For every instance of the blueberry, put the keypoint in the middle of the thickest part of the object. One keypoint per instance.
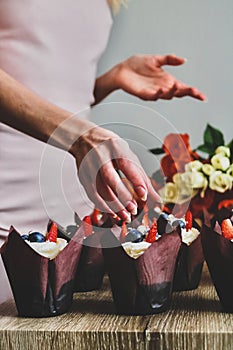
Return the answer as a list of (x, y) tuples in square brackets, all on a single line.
[(134, 236), (25, 237), (164, 215), (178, 222), (163, 224), (36, 237)]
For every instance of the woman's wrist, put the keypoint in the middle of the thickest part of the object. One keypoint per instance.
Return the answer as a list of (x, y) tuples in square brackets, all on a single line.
[(107, 83)]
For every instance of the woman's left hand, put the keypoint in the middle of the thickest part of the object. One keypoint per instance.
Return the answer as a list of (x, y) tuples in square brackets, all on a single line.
[(144, 76)]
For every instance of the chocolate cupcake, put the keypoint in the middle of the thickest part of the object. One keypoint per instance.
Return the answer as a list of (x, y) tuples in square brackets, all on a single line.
[(141, 284), (91, 269), (218, 252), (41, 286), (190, 261)]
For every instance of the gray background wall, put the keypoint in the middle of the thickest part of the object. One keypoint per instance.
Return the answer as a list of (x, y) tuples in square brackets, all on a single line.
[(199, 30)]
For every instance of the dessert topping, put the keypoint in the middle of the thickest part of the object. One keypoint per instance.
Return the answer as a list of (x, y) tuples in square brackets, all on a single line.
[(52, 234), (151, 237), (87, 225), (188, 220), (227, 229)]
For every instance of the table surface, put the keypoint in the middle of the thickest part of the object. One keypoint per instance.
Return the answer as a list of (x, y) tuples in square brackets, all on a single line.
[(195, 321)]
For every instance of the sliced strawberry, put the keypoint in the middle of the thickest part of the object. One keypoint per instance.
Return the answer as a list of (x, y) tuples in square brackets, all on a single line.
[(227, 229), (123, 232), (151, 236), (52, 234), (188, 220), (96, 216), (87, 225)]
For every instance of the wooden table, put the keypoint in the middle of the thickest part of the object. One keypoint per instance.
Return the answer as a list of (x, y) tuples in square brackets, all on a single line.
[(195, 321)]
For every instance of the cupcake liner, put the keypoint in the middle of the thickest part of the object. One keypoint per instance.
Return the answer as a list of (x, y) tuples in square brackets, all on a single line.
[(144, 285), (41, 287), (90, 271), (189, 265), (218, 252)]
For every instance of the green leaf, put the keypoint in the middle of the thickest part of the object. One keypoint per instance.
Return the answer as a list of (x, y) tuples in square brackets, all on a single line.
[(230, 145), (213, 137), (156, 150), (206, 148)]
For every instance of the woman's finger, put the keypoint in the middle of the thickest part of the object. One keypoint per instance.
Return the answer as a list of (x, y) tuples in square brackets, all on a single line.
[(171, 60)]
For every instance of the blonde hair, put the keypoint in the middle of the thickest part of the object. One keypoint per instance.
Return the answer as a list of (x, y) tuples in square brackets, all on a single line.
[(116, 4)]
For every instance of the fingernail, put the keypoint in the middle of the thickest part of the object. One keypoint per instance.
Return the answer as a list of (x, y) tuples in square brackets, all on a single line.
[(116, 217), (132, 208), (185, 59), (142, 193), (125, 215)]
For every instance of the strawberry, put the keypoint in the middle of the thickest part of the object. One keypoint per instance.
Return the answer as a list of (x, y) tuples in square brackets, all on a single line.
[(188, 220), (227, 229), (96, 216), (87, 225), (52, 234), (151, 236), (123, 231)]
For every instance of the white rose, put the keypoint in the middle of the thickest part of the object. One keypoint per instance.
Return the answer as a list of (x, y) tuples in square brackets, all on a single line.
[(220, 162), (230, 170), (169, 193), (199, 180), (185, 187), (220, 182), (225, 151), (208, 169), (194, 165)]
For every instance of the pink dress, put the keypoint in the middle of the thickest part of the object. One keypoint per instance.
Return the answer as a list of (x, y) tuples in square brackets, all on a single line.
[(53, 48)]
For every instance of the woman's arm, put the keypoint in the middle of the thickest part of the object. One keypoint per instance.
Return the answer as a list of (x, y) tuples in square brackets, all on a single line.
[(97, 151), (144, 77)]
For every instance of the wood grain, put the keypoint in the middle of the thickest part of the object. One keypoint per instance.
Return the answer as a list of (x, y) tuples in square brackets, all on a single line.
[(195, 321)]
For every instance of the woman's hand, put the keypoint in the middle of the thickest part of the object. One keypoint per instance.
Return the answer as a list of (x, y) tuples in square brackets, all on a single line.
[(143, 76), (100, 154)]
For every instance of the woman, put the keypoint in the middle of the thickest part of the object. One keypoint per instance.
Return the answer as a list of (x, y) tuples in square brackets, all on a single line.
[(48, 57)]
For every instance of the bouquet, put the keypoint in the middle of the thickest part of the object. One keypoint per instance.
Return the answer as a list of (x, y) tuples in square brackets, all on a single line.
[(200, 178)]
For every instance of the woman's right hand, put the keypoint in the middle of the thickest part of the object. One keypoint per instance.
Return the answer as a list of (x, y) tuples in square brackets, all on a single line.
[(100, 154)]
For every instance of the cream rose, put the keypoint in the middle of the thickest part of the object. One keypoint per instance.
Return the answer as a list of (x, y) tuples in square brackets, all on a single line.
[(220, 162), (183, 182), (194, 165), (220, 182), (199, 180), (230, 171), (169, 193), (208, 169), (225, 151)]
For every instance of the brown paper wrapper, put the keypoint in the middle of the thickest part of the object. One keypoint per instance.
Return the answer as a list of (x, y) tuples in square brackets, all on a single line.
[(90, 271), (218, 252), (41, 287), (189, 266), (144, 285)]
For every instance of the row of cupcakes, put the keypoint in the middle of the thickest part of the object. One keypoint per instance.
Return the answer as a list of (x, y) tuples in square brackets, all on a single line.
[(51, 266)]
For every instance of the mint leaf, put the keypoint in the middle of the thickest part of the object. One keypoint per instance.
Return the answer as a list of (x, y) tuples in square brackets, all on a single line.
[(213, 137), (156, 150)]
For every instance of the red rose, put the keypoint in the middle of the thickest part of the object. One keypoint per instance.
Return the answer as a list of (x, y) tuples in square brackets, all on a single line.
[(178, 147)]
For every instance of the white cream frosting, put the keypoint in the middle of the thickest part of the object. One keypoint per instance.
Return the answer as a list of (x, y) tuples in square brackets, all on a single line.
[(189, 236), (48, 249), (134, 250)]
